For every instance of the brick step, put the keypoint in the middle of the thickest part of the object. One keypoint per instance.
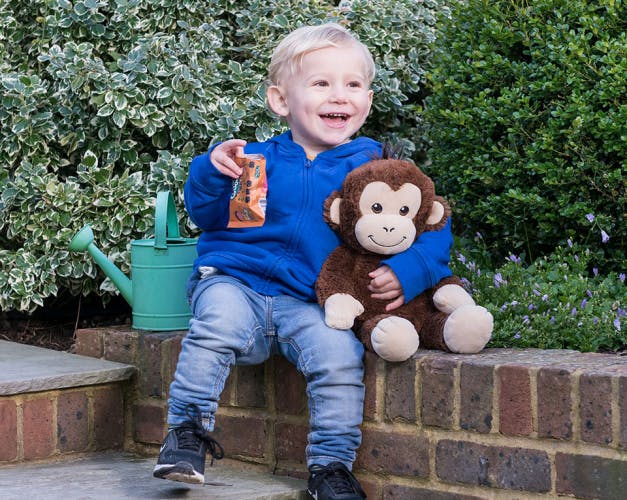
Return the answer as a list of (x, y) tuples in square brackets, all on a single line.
[(54, 403), (111, 475)]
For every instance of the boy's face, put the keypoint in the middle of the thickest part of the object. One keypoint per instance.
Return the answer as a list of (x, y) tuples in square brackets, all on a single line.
[(327, 100)]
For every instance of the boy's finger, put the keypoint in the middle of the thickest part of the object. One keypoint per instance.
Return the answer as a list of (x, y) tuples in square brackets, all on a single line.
[(380, 282), (388, 295), (235, 146), (233, 168), (228, 167), (395, 304), (377, 272), (239, 151)]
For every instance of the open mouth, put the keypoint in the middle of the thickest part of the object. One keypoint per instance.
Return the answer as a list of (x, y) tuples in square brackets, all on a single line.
[(371, 238), (341, 117)]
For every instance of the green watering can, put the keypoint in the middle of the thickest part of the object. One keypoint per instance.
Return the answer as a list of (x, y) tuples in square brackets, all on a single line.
[(160, 268)]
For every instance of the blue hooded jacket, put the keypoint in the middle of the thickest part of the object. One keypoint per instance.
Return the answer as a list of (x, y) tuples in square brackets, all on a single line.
[(285, 255)]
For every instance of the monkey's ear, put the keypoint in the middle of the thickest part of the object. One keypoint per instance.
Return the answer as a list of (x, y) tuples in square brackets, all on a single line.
[(440, 212), (332, 210)]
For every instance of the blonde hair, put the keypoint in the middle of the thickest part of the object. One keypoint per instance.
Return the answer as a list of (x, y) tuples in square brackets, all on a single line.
[(288, 55)]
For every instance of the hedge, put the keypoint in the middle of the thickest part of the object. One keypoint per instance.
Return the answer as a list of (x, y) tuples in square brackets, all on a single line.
[(104, 103), (526, 121)]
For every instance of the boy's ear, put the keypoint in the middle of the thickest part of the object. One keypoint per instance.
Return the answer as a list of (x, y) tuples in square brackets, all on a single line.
[(276, 100)]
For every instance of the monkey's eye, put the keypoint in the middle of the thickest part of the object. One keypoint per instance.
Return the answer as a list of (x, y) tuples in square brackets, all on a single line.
[(404, 210), (376, 208)]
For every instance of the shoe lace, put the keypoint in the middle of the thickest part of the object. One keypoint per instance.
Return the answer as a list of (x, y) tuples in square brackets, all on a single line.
[(340, 479), (192, 433)]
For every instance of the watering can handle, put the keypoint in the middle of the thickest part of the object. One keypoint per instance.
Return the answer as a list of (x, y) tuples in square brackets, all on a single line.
[(166, 221)]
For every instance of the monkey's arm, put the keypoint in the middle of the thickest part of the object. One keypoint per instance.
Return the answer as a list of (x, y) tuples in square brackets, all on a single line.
[(340, 311), (335, 290)]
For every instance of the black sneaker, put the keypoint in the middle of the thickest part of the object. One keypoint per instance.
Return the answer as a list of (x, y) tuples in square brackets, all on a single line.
[(182, 455), (333, 482)]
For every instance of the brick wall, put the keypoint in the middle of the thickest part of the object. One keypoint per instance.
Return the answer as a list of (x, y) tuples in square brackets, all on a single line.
[(49, 424), (501, 424)]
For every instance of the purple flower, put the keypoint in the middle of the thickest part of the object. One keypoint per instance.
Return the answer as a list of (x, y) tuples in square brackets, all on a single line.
[(621, 277), (576, 258), (595, 271), (595, 321), (515, 259), (604, 237), (617, 324), (525, 319), (590, 217), (517, 336), (545, 297), (498, 279), (461, 258), (583, 303), (531, 307), (570, 242), (573, 312), (536, 293), (589, 293)]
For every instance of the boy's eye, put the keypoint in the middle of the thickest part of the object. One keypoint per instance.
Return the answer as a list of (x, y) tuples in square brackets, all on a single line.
[(320, 83), (354, 84)]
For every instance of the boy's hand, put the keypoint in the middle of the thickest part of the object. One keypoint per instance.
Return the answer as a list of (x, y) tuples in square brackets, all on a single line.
[(384, 285), (223, 156)]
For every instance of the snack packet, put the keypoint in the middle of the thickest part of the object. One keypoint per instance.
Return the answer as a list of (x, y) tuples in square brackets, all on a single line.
[(247, 207)]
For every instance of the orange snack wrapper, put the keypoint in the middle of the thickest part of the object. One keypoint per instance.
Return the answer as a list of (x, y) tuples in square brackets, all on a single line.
[(247, 207)]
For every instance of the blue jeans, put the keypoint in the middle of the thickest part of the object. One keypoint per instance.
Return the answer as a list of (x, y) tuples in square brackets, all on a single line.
[(232, 324)]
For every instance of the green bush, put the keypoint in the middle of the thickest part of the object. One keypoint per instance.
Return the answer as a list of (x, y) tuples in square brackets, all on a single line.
[(527, 123), (105, 102), (556, 302)]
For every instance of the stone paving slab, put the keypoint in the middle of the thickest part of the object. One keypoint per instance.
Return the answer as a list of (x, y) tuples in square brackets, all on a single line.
[(25, 368), (117, 475)]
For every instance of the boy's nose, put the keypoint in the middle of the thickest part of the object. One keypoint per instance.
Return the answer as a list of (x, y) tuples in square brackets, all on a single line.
[(339, 94)]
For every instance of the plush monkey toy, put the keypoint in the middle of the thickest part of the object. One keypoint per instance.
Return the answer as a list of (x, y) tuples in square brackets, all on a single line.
[(382, 208)]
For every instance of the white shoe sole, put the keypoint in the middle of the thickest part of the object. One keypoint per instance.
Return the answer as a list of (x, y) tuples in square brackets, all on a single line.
[(182, 472)]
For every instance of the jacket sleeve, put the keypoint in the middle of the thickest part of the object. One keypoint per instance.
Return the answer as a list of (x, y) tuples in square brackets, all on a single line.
[(425, 263), (207, 194)]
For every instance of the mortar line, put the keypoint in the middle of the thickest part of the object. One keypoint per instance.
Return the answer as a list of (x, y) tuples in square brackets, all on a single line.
[(19, 413), (576, 405), (496, 395), (55, 421), (533, 390), (457, 397), (615, 412), (380, 384)]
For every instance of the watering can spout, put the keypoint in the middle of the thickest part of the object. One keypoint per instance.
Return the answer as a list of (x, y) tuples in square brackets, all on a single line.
[(84, 241)]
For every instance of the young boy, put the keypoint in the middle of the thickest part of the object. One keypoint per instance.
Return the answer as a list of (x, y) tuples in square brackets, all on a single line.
[(252, 291)]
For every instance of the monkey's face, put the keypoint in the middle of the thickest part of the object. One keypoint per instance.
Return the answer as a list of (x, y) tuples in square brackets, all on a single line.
[(384, 206), (386, 224)]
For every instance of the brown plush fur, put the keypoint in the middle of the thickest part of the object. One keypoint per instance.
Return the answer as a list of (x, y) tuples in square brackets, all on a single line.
[(346, 269)]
